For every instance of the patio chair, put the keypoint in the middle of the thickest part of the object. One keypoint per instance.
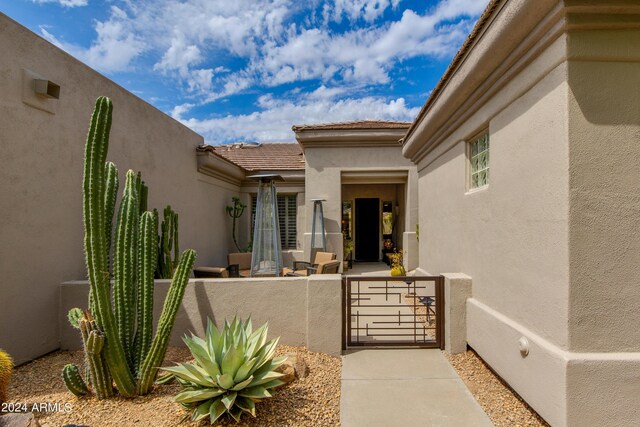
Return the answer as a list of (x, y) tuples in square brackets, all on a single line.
[(300, 267), (239, 264), (210, 272), (327, 267)]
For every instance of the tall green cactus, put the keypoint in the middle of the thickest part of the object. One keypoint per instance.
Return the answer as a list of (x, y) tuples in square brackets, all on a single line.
[(113, 352), (124, 264), (95, 242), (147, 255), (168, 243), (160, 342)]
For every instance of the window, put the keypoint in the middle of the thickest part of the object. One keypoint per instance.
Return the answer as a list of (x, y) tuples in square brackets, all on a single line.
[(479, 156), (287, 216)]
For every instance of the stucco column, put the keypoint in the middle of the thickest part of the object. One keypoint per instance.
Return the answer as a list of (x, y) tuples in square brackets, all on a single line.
[(410, 237), (324, 184), (457, 288)]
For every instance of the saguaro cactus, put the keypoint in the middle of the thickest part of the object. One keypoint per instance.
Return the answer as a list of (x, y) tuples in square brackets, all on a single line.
[(235, 211), (113, 353)]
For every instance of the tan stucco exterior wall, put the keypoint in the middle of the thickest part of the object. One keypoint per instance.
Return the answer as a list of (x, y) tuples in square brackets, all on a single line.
[(42, 153), (604, 180), (301, 311), (323, 180), (552, 243)]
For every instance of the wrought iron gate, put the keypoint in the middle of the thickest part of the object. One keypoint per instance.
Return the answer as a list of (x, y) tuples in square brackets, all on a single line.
[(393, 311)]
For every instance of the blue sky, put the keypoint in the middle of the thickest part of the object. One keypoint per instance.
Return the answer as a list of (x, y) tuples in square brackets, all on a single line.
[(247, 70)]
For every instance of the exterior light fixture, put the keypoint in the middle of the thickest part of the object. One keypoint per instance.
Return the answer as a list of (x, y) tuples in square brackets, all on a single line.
[(266, 255), (318, 238)]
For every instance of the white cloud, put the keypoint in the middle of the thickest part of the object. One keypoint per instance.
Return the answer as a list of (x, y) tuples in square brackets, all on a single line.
[(364, 55), (369, 10), (276, 116), (66, 3), (114, 48)]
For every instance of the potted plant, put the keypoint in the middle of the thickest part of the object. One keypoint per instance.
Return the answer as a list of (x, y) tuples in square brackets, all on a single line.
[(397, 267), (347, 248)]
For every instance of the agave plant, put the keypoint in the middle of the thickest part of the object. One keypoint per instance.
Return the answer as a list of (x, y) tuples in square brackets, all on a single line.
[(233, 369)]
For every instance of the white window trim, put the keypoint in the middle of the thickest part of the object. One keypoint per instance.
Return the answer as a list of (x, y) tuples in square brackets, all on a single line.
[(468, 167)]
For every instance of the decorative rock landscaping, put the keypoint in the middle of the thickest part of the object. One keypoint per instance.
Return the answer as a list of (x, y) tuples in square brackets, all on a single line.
[(310, 400)]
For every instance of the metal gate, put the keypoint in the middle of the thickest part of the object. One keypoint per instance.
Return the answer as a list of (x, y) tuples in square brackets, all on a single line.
[(393, 311)]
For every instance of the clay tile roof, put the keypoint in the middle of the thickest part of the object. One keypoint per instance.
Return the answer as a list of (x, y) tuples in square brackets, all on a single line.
[(456, 61), (254, 156), (360, 125)]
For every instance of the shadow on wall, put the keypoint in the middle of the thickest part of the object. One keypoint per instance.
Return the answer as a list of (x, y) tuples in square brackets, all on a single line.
[(601, 88), (204, 306)]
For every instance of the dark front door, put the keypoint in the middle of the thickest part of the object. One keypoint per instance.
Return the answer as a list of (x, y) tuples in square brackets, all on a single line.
[(367, 229)]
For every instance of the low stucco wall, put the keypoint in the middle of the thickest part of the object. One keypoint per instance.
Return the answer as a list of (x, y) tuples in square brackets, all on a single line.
[(41, 237), (302, 311)]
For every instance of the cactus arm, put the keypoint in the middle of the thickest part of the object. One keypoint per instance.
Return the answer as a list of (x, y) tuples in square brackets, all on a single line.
[(144, 196), (95, 240), (110, 195), (93, 340), (74, 381), (176, 245), (124, 265), (165, 324), (147, 256)]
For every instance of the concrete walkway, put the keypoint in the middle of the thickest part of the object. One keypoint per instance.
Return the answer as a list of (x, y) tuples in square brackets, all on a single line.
[(405, 388)]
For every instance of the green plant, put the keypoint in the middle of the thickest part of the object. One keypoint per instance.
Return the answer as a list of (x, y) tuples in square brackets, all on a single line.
[(235, 211), (418, 232), (6, 370), (168, 243), (347, 247), (233, 369), (113, 352)]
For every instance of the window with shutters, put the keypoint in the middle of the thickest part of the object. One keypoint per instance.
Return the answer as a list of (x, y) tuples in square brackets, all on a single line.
[(287, 216)]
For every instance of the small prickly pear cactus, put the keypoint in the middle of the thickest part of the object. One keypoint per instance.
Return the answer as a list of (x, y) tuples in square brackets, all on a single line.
[(6, 370)]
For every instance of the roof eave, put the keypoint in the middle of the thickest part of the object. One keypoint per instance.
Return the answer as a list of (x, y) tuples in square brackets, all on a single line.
[(507, 26), (350, 137)]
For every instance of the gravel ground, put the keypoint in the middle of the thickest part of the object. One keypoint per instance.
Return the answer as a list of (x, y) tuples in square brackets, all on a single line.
[(502, 405), (311, 401)]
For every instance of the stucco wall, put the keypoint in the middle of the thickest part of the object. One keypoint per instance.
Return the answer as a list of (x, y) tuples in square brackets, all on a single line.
[(552, 243), (41, 239), (323, 176), (301, 311), (604, 146)]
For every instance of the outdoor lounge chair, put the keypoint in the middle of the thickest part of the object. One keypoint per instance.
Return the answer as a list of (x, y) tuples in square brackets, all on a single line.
[(300, 267), (239, 264), (210, 272), (327, 267)]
